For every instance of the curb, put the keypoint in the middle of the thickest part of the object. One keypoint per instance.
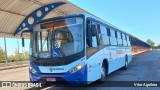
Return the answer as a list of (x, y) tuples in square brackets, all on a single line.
[(13, 67)]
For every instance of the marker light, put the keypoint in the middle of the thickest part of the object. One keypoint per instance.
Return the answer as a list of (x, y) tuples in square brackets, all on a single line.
[(78, 67)]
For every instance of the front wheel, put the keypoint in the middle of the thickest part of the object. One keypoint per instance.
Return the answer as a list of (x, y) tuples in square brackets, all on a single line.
[(103, 73)]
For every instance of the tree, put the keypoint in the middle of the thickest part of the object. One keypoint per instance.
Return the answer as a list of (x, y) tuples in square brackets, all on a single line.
[(2, 55), (18, 56), (155, 47), (158, 46), (150, 42), (11, 57), (26, 55)]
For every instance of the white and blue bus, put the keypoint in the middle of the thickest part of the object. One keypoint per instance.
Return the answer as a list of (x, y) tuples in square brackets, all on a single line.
[(77, 48)]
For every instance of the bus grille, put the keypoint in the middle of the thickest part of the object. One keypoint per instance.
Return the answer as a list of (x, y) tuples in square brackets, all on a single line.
[(52, 63)]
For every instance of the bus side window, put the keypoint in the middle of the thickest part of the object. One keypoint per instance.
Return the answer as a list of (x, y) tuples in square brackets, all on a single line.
[(104, 38), (108, 33), (95, 38), (113, 39), (119, 38), (124, 40), (89, 35), (128, 41)]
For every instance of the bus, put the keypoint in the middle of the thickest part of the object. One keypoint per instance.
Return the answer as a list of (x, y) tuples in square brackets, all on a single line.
[(77, 49)]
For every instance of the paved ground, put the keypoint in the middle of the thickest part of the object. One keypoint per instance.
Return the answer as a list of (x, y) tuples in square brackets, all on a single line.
[(144, 67), (18, 74)]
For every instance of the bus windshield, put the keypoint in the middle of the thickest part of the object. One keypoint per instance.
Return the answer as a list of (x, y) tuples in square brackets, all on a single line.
[(58, 38)]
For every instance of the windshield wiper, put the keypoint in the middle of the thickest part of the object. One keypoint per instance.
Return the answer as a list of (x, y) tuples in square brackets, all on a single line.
[(33, 57)]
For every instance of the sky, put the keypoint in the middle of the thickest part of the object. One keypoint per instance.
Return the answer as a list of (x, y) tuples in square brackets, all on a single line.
[(12, 44), (140, 18)]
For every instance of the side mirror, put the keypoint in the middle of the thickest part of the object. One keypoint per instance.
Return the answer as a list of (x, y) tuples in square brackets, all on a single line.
[(93, 30), (25, 31), (23, 42)]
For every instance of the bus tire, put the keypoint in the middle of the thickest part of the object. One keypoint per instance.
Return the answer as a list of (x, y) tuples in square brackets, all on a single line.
[(126, 63), (103, 73)]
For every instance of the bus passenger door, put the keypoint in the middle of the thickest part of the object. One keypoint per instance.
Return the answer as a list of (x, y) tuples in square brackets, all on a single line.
[(92, 43), (92, 38)]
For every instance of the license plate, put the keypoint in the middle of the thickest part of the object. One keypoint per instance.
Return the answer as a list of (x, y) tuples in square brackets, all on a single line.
[(50, 79)]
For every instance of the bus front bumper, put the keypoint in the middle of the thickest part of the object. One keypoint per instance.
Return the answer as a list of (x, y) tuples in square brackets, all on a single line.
[(77, 78)]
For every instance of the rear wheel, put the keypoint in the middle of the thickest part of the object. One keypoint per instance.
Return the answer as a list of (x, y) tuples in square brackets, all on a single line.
[(126, 64)]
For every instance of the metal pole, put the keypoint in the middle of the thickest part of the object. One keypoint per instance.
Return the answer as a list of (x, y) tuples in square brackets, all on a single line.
[(5, 50), (18, 48), (24, 49), (18, 45), (23, 53)]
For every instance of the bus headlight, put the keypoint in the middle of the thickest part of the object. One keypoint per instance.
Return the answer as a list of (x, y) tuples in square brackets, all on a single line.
[(32, 69), (78, 67)]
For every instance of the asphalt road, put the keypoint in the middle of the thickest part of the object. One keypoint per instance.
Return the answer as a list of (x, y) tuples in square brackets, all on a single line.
[(144, 67)]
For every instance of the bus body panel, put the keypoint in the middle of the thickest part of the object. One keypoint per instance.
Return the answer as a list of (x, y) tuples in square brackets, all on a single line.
[(94, 64), (115, 61), (119, 57)]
